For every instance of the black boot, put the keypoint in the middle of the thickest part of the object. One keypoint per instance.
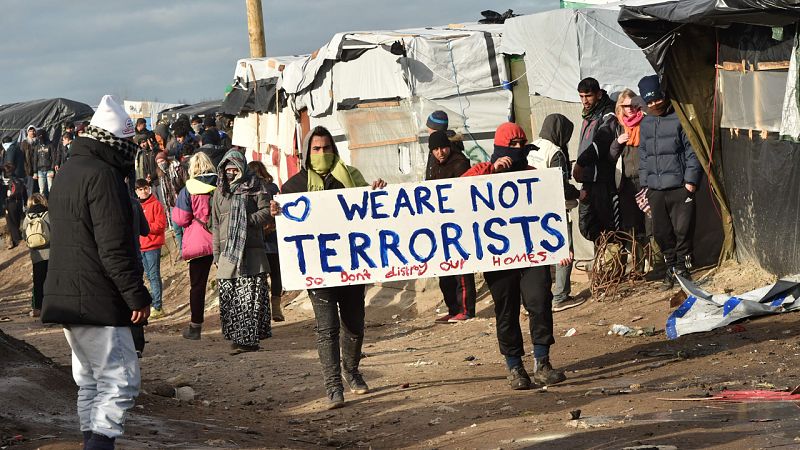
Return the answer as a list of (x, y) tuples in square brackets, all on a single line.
[(683, 266), (669, 280), (545, 375), (518, 378)]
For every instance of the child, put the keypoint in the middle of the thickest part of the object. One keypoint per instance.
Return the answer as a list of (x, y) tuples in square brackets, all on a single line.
[(36, 232), (152, 243), (15, 198)]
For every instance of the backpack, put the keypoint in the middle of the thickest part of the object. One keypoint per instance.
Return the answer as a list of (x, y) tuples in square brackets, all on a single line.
[(37, 231)]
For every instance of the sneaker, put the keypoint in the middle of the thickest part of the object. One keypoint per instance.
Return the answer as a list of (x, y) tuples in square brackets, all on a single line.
[(669, 280), (444, 319), (458, 318), (518, 379), (545, 374), (356, 383), (335, 399), (567, 303), (157, 313), (192, 333)]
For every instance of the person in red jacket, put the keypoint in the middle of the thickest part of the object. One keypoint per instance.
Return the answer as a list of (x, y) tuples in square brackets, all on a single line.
[(529, 286), (152, 243)]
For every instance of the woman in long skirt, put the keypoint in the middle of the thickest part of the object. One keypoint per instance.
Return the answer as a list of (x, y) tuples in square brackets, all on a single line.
[(239, 212)]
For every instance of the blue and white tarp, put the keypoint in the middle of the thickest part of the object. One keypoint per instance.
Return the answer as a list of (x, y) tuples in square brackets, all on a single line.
[(704, 312)]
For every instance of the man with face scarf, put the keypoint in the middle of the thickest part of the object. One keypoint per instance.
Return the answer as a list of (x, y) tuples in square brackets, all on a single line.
[(239, 211), (553, 151), (529, 286), (94, 285), (323, 169)]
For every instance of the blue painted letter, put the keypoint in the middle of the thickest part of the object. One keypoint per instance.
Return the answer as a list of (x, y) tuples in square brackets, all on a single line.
[(553, 232), (325, 252), (359, 249), (298, 242)]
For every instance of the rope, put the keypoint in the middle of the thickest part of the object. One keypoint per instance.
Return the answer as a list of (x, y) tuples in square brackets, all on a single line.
[(637, 49)]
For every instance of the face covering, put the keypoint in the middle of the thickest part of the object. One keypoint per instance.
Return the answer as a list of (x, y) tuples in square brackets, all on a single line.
[(231, 176), (197, 128), (322, 163), (519, 156)]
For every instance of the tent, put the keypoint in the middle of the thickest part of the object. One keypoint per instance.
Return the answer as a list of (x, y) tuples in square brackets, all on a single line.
[(374, 91), (728, 67), (560, 48), (49, 114), (201, 109), (147, 110)]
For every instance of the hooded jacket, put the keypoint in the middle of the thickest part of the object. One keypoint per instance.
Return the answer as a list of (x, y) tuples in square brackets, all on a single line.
[(299, 182), (192, 212), (92, 278), (666, 157), (553, 151), (255, 254), (157, 221), (214, 152)]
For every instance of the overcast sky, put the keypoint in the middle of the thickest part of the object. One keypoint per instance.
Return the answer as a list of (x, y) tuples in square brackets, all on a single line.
[(184, 51)]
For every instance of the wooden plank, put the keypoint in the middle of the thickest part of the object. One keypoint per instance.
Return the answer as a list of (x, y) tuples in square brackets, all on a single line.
[(377, 104), (773, 65), (382, 143), (744, 66)]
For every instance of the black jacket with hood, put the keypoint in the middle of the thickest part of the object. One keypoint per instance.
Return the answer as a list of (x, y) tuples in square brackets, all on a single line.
[(93, 278), (597, 134), (666, 157)]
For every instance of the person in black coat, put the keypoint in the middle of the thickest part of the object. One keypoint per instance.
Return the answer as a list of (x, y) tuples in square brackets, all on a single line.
[(447, 161), (94, 286)]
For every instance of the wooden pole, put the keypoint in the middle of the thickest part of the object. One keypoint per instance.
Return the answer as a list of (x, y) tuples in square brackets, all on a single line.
[(255, 29)]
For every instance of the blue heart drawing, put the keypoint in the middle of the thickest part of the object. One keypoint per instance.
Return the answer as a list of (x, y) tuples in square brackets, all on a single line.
[(306, 209)]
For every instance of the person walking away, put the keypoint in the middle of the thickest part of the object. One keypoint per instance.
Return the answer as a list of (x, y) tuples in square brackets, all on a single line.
[(43, 164), (553, 151), (530, 286), (92, 241), (324, 170), (150, 245), (459, 293), (239, 211), (15, 199), (36, 232), (594, 168), (625, 150), (192, 212), (271, 245), (670, 171)]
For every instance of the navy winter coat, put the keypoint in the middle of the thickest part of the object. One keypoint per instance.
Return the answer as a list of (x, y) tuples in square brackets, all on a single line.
[(666, 158)]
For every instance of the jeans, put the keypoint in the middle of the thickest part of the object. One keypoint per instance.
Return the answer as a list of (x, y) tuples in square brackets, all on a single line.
[(329, 305), (179, 236), (106, 370), (562, 287), (151, 260), (30, 186), (45, 181), (531, 287)]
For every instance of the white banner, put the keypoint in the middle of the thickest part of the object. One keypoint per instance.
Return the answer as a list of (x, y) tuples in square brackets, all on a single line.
[(420, 230)]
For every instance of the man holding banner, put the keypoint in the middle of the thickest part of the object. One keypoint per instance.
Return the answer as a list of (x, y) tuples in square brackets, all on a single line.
[(530, 285), (324, 170)]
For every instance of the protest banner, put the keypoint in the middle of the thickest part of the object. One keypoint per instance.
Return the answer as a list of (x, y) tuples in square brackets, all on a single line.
[(420, 230)]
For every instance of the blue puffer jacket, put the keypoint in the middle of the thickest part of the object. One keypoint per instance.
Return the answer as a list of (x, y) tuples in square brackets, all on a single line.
[(666, 157)]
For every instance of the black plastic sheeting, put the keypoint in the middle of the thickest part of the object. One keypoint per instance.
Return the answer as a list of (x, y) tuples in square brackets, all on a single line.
[(762, 180), (755, 44), (708, 236), (49, 114), (254, 97), (202, 109)]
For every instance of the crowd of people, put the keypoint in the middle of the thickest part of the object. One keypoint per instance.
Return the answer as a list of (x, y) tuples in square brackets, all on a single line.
[(94, 212)]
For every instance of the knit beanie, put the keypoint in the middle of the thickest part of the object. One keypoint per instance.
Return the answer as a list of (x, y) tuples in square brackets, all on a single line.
[(650, 88), (437, 121), (438, 139), (507, 132), (111, 117)]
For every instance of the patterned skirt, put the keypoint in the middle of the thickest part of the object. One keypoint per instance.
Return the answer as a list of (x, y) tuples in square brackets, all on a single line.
[(244, 309)]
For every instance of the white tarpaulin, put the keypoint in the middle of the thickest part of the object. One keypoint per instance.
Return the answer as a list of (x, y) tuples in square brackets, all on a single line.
[(704, 312), (563, 46), (419, 230)]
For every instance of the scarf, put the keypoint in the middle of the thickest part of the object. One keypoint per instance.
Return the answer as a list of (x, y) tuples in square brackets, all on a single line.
[(339, 171), (241, 188), (631, 126), (519, 156), (124, 146)]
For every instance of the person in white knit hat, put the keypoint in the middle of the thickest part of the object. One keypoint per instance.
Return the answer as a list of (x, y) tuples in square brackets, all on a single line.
[(93, 286)]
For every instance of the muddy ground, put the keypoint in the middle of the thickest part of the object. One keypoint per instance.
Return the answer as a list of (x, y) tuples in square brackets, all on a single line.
[(433, 386)]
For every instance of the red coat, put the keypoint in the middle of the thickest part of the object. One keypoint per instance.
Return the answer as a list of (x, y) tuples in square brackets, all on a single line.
[(157, 220), (484, 168)]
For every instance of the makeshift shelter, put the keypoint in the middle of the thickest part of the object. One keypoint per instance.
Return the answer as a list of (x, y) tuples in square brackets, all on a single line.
[(727, 68), (148, 110), (49, 114), (202, 109), (374, 91)]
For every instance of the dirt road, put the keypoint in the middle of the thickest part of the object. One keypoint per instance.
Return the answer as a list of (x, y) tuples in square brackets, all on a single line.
[(433, 386)]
